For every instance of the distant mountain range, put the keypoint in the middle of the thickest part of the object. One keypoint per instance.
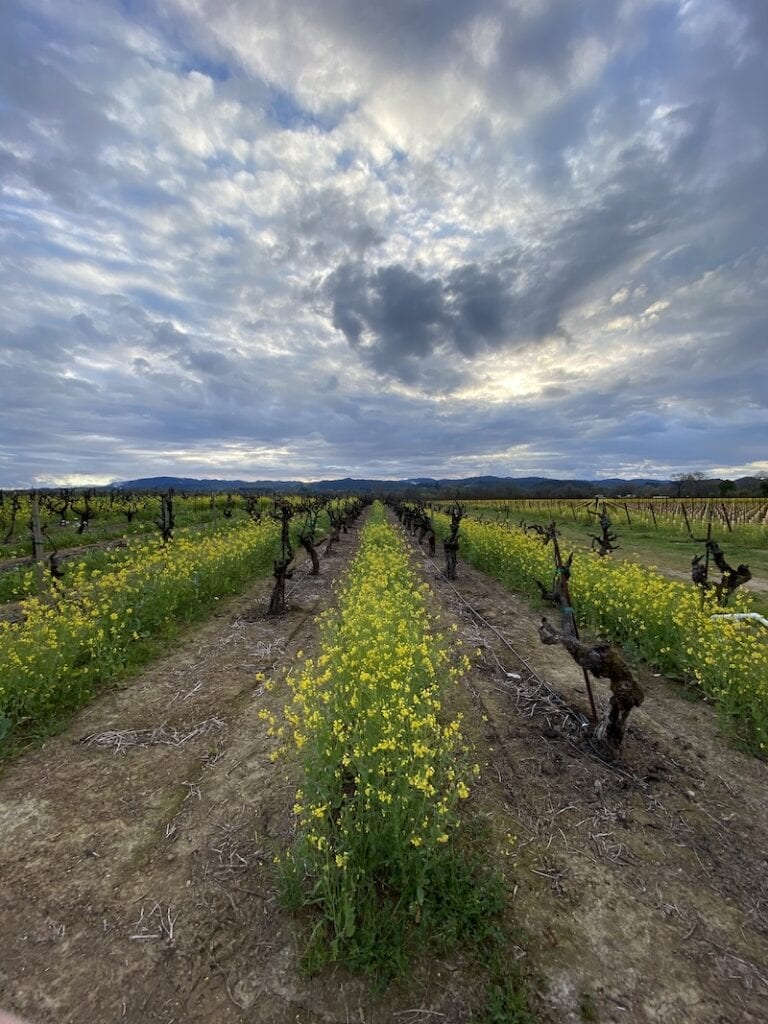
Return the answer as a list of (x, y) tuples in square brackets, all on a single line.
[(353, 485), (480, 486)]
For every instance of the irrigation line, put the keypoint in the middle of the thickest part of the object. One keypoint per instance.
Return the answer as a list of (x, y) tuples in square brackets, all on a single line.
[(741, 617), (299, 575)]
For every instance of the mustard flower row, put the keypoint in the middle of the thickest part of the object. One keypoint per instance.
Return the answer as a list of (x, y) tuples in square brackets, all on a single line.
[(69, 640), (384, 774), (663, 621)]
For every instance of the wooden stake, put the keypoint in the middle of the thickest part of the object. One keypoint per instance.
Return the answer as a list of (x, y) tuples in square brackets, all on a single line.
[(38, 545), (569, 618)]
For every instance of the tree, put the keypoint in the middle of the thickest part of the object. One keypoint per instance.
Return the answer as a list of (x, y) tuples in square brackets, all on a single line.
[(689, 485)]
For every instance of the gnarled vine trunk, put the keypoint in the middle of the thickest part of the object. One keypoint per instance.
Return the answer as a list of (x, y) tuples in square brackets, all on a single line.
[(606, 662)]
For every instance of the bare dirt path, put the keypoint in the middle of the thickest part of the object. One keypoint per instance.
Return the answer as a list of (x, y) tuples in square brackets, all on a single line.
[(643, 888)]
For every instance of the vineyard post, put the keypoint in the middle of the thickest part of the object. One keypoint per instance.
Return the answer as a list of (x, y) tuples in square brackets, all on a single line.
[(687, 521), (167, 520), (284, 514), (85, 513), (451, 543), (706, 558), (566, 609), (334, 518), (311, 510), (38, 545)]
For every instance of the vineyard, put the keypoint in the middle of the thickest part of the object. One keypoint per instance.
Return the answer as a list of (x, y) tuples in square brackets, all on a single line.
[(661, 532), (72, 623), (272, 758), (684, 631)]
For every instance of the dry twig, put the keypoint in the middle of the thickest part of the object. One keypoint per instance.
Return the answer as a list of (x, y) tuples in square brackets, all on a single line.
[(122, 739)]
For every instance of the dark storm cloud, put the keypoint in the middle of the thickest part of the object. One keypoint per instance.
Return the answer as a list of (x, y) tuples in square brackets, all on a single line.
[(395, 317), (405, 313)]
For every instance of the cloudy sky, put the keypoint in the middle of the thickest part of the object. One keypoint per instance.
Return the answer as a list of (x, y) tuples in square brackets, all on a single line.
[(320, 238)]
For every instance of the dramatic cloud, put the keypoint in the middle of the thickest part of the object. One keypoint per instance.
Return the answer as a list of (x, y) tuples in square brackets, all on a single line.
[(353, 237)]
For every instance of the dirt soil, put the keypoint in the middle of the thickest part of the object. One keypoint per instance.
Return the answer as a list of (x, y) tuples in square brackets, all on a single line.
[(136, 877), (643, 885)]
